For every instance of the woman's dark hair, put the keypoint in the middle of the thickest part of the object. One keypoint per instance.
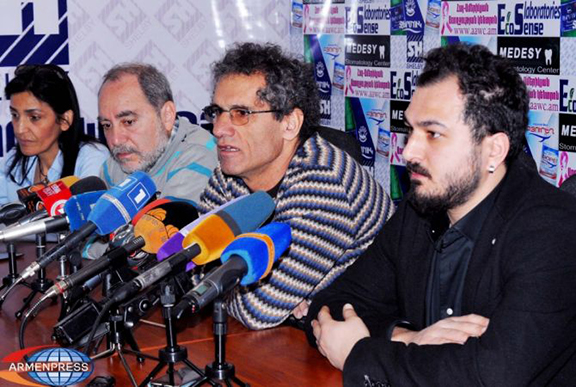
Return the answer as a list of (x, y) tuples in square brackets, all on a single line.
[(50, 84)]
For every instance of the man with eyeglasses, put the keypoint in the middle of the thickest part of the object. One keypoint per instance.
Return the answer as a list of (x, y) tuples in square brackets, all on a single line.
[(137, 113), (265, 111)]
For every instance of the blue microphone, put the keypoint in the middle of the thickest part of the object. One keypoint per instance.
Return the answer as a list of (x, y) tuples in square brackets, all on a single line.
[(79, 207), (247, 260), (113, 209)]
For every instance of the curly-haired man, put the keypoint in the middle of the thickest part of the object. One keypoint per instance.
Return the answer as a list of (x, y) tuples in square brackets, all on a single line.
[(265, 110)]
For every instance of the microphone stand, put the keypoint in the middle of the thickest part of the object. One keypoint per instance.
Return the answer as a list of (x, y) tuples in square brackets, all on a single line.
[(173, 353), (74, 264), (118, 334), (11, 253), (116, 338), (41, 284), (220, 369)]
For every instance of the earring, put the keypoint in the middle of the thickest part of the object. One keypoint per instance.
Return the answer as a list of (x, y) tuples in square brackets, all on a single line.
[(491, 169)]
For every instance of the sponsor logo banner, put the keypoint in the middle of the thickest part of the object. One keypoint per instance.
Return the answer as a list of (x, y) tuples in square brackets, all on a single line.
[(322, 19), (543, 92), (529, 18), (469, 18), (414, 51), (542, 140), (34, 32), (485, 40), (567, 135), (367, 82), (567, 94), (369, 51), (326, 53), (566, 166), (568, 19), (368, 18), (531, 55), (397, 109), (403, 83), (406, 17)]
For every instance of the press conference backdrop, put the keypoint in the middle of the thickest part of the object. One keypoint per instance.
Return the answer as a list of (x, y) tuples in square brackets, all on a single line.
[(180, 37), (367, 56)]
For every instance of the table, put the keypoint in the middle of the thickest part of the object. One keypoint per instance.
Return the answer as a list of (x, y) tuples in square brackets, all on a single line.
[(274, 357)]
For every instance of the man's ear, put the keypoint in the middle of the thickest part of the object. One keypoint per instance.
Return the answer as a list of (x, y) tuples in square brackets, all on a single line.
[(498, 148), (65, 120), (293, 122), (168, 115)]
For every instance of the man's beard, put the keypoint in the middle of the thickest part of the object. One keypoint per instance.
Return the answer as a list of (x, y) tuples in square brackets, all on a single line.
[(147, 159), (456, 192)]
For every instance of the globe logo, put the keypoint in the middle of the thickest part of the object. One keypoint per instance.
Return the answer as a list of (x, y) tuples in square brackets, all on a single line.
[(59, 366)]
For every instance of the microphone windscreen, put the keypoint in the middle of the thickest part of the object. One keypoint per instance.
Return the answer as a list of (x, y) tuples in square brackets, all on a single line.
[(260, 250), (247, 214), (12, 212), (148, 207), (122, 202), (212, 235), (25, 193), (69, 181), (218, 230), (88, 184), (79, 207), (160, 223), (174, 244), (54, 196)]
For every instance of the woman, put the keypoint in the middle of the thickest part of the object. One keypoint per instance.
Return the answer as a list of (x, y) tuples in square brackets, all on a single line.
[(48, 128)]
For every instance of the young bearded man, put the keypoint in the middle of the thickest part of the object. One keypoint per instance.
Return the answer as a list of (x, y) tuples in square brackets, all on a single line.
[(472, 280)]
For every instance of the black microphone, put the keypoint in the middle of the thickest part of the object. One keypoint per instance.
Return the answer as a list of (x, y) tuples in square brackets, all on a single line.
[(112, 260), (11, 212)]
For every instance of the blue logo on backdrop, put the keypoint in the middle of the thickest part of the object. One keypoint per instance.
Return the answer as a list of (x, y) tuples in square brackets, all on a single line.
[(31, 32), (34, 32)]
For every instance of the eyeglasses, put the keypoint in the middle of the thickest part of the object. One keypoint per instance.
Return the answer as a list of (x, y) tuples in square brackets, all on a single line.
[(238, 116)]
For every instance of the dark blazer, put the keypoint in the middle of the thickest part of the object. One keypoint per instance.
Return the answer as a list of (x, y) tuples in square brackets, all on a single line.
[(522, 276)]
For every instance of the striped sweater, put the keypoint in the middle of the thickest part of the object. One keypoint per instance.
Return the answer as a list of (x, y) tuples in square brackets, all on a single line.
[(334, 208)]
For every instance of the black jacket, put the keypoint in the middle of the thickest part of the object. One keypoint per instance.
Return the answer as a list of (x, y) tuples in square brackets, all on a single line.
[(522, 276)]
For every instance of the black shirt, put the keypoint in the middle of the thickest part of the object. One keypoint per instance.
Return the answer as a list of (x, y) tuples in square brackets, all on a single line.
[(453, 248)]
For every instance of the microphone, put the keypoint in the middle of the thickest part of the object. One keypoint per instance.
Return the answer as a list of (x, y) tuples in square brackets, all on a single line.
[(112, 260), (161, 222), (206, 241), (174, 244), (30, 197), (242, 216), (114, 208), (247, 260), (53, 197), (156, 221), (77, 209), (11, 212), (88, 184)]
